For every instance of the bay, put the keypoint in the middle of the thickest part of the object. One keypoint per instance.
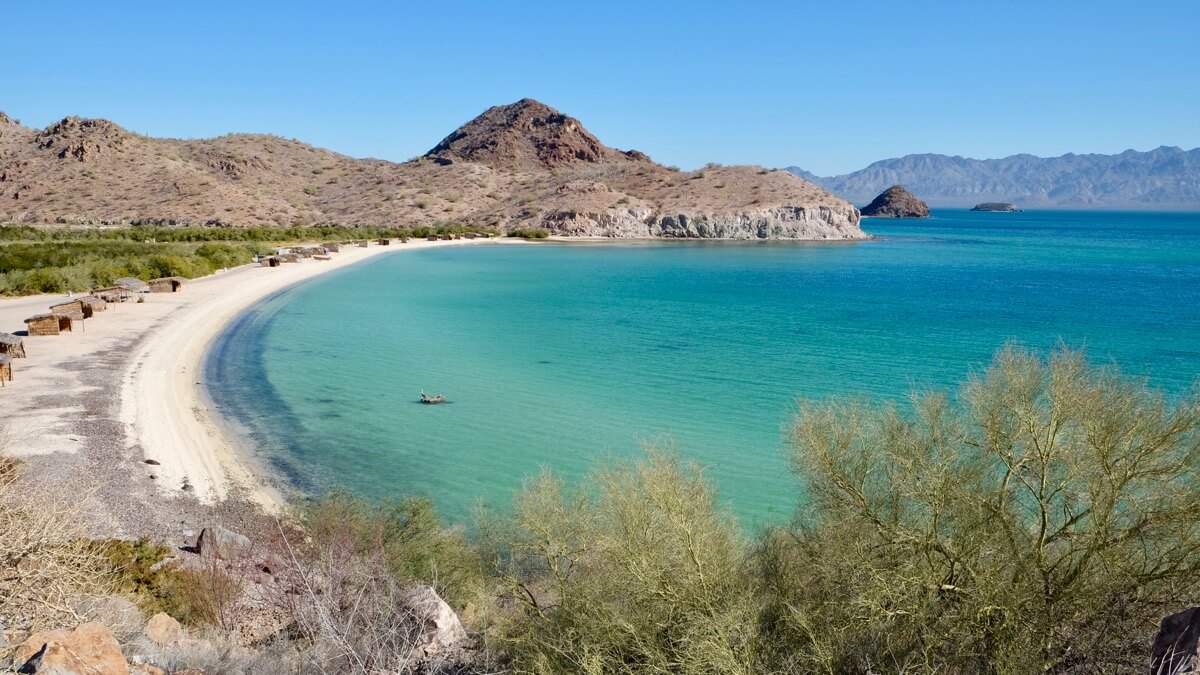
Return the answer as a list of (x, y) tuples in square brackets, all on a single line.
[(563, 355)]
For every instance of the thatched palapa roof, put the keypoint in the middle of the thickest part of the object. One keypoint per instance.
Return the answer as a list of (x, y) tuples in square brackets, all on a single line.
[(131, 284)]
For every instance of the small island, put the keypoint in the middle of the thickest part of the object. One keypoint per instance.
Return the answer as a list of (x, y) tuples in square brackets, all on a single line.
[(1002, 207), (896, 202)]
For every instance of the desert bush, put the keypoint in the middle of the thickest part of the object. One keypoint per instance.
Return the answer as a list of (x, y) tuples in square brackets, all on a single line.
[(406, 538), (1043, 524), (46, 566), (352, 578), (637, 570)]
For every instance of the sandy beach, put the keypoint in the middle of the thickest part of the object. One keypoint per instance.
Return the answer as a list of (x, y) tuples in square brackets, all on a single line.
[(114, 411)]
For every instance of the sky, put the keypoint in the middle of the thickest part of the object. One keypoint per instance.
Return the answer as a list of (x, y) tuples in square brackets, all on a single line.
[(829, 86)]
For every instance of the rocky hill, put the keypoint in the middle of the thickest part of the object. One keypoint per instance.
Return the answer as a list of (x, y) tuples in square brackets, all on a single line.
[(518, 165), (1164, 178), (896, 202)]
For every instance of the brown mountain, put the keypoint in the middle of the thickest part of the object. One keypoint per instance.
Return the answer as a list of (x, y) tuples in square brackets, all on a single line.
[(896, 202), (518, 165), (526, 136)]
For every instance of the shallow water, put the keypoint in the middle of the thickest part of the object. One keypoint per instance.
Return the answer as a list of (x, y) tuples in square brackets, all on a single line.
[(559, 354)]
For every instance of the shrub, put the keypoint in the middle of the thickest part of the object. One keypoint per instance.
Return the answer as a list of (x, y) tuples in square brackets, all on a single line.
[(405, 537), (643, 573), (1044, 524), (43, 281), (529, 233), (46, 564)]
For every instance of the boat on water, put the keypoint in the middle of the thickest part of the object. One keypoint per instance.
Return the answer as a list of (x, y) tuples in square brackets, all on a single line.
[(436, 398)]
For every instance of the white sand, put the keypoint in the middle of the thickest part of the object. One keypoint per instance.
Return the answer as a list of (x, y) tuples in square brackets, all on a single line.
[(161, 406)]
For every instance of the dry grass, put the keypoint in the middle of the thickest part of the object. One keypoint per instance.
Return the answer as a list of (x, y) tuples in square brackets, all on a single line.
[(46, 565)]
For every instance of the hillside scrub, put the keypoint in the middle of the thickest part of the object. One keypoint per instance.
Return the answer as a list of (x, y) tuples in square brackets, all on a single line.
[(1044, 524)]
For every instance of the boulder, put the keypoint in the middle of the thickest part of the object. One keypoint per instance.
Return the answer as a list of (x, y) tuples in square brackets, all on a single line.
[(222, 543), (437, 628), (90, 649), (161, 629), (1175, 646), (896, 202), (146, 669)]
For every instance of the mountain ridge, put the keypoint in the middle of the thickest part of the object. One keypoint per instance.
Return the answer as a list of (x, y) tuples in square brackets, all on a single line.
[(519, 165), (1166, 177)]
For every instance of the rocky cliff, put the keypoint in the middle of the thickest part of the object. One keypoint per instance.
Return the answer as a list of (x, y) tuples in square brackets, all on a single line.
[(896, 202), (519, 165)]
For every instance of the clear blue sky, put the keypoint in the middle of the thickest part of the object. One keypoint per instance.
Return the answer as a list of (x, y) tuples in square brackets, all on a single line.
[(827, 85)]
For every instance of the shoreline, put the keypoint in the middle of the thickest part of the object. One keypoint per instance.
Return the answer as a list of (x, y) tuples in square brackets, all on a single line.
[(117, 410)]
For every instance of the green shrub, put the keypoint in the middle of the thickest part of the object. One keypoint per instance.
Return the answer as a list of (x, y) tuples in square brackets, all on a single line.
[(43, 281), (636, 571), (1044, 524), (406, 537), (529, 233)]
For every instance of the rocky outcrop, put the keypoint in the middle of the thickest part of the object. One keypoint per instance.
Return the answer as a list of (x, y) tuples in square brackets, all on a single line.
[(896, 202), (782, 222), (90, 649), (218, 542), (437, 630), (1001, 207), (526, 135), (1177, 644)]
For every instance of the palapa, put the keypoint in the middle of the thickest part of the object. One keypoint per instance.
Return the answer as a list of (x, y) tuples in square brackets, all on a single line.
[(51, 324), (12, 346), (167, 284)]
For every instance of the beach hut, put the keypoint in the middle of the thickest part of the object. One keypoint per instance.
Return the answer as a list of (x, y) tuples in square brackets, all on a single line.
[(331, 247), (270, 261), (74, 305), (50, 324), (92, 304), (12, 346), (132, 285), (432, 237), (110, 294), (5, 369), (385, 242), (364, 243), (470, 235), (84, 305), (167, 285)]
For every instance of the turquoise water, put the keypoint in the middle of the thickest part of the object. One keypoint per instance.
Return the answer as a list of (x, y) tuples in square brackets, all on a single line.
[(561, 355)]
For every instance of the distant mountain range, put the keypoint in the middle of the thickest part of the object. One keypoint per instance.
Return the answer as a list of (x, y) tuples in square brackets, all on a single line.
[(1164, 178)]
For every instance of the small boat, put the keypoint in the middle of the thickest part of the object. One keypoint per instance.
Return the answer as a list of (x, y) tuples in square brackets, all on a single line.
[(431, 400)]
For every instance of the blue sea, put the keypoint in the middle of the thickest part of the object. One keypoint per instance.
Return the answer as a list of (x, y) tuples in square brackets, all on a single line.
[(565, 355)]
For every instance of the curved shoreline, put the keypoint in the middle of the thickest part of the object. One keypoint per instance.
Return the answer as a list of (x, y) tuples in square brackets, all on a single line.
[(115, 412), (164, 403)]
